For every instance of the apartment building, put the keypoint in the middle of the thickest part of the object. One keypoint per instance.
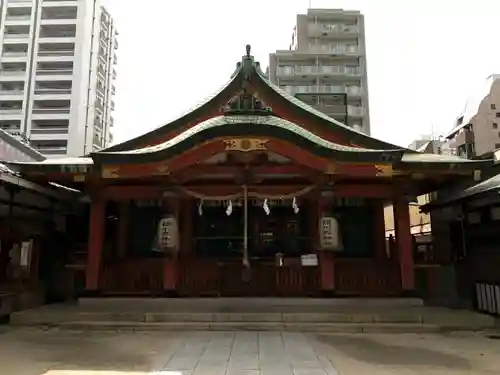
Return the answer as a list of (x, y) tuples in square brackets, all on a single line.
[(57, 73), (325, 65), (477, 130)]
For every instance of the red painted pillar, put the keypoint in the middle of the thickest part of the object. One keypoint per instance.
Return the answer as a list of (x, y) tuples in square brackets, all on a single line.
[(379, 230), (404, 244), (95, 244)]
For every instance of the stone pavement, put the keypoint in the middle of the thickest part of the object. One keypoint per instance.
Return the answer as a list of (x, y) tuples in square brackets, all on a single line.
[(30, 351)]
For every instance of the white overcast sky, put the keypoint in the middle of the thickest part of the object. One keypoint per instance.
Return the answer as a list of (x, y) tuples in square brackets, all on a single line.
[(425, 57)]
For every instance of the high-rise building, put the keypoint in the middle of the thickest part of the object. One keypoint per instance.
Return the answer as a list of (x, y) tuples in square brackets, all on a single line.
[(477, 129), (325, 65), (57, 73)]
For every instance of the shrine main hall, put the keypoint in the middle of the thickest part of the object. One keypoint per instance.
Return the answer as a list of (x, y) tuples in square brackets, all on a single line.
[(252, 193)]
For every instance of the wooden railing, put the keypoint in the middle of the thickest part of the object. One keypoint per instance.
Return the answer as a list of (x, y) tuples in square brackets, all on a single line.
[(367, 277), (135, 276), (207, 277), (198, 277)]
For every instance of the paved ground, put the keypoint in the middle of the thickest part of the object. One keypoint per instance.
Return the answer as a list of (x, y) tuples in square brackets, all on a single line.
[(27, 351)]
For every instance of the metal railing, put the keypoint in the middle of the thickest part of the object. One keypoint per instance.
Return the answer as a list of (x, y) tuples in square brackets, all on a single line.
[(488, 297), (54, 71), (16, 36), (56, 53), (10, 111), (304, 70), (323, 89), (333, 28), (18, 18), (334, 49), (51, 110), (11, 92), (14, 54), (52, 91), (57, 130)]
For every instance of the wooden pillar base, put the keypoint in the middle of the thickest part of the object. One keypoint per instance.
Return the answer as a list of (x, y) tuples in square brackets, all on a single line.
[(170, 274), (404, 244), (327, 271)]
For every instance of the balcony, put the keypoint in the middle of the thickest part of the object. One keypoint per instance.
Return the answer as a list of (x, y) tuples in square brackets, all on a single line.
[(48, 109), (354, 111), (54, 70), (323, 89), (18, 34), (59, 3), (61, 15), (15, 94), (51, 110), (11, 113), (60, 51), (331, 110), (324, 70), (41, 129), (17, 20), (333, 30), (54, 74), (52, 94), (334, 49), (57, 33), (12, 75)]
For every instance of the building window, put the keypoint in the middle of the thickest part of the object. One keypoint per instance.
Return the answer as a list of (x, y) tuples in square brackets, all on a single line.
[(497, 146), (495, 125), (493, 106), (498, 114)]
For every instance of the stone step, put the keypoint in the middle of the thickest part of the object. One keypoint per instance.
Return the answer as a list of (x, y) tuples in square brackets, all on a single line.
[(244, 303), (437, 317), (249, 326)]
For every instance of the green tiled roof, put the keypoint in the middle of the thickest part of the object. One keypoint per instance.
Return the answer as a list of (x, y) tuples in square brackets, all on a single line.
[(265, 126)]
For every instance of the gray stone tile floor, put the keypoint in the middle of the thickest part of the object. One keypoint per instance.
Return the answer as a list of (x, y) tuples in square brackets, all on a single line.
[(32, 351)]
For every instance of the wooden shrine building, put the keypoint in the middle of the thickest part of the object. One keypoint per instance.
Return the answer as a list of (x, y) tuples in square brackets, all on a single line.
[(251, 193)]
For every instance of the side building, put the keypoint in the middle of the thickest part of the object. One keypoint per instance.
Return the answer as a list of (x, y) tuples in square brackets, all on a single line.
[(325, 65), (57, 73), (477, 129)]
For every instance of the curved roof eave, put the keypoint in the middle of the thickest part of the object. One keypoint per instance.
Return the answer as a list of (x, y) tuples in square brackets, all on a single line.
[(330, 122), (180, 121), (264, 126)]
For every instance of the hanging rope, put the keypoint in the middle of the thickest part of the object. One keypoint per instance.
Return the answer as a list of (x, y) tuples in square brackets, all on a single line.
[(251, 194)]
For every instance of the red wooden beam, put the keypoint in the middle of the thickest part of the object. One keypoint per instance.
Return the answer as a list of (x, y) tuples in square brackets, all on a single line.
[(200, 170), (364, 190), (297, 154), (118, 193)]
